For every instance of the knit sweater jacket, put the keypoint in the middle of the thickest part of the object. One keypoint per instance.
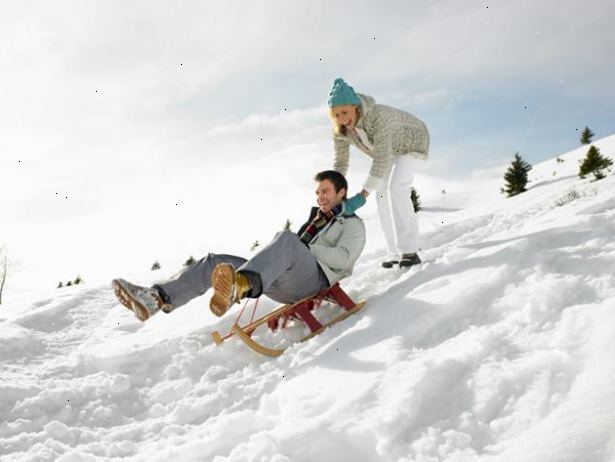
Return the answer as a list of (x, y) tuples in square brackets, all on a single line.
[(391, 132)]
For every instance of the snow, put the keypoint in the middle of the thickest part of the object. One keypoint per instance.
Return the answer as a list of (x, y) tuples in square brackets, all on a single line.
[(498, 348)]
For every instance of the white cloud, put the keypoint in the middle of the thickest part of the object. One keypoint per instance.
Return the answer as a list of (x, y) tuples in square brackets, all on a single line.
[(144, 92)]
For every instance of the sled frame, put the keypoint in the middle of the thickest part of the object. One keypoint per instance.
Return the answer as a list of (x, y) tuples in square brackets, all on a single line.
[(301, 311)]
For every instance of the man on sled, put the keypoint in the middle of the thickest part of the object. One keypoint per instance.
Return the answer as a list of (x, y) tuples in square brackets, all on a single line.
[(290, 268)]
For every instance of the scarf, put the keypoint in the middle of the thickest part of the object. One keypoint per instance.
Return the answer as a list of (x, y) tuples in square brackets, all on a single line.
[(362, 136), (319, 222)]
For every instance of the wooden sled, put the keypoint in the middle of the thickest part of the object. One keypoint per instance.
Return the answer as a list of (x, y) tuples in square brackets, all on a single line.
[(300, 310)]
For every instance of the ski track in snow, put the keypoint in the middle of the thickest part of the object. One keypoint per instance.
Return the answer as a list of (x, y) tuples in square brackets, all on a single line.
[(498, 348)]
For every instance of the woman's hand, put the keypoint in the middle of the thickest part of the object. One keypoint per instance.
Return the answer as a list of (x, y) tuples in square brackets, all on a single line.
[(354, 203)]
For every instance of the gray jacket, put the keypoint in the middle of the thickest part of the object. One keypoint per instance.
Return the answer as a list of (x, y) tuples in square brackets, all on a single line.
[(338, 245), (391, 132)]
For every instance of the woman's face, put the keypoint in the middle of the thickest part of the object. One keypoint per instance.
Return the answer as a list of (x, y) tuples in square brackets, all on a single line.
[(345, 116)]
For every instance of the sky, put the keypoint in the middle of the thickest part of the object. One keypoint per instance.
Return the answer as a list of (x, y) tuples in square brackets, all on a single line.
[(113, 106)]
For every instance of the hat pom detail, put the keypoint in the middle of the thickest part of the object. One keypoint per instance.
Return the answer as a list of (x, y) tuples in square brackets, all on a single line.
[(342, 94)]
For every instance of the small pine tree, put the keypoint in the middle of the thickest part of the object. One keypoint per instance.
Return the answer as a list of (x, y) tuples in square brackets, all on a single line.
[(586, 136), (416, 200), (5, 266), (78, 280), (516, 176), (156, 265), (254, 246), (559, 160), (60, 285), (190, 261), (69, 283), (594, 163), (287, 225)]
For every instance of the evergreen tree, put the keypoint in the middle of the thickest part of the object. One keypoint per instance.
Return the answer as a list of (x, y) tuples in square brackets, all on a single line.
[(190, 261), (60, 285), (254, 246), (416, 200), (586, 136), (78, 280), (287, 225), (5, 266), (69, 283), (156, 265), (595, 163), (559, 160), (516, 176)]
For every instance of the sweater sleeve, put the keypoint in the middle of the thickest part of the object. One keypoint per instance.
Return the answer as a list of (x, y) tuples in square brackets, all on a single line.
[(342, 154), (382, 154)]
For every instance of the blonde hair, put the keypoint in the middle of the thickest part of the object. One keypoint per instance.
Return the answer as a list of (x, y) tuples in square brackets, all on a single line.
[(337, 130)]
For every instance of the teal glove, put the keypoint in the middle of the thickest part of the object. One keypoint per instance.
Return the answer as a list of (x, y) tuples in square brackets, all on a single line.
[(354, 203)]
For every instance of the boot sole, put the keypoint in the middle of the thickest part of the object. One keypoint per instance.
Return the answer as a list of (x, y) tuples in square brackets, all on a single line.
[(404, 265), (128, 300), (222, 281)]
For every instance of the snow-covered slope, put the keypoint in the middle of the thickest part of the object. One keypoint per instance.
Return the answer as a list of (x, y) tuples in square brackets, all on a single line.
[(499, 347)]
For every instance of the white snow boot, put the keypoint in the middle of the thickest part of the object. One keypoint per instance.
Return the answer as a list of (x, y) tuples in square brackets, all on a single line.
[(143, 301)]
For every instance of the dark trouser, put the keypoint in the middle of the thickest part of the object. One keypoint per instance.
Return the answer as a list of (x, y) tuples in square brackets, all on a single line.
[(287, 270)]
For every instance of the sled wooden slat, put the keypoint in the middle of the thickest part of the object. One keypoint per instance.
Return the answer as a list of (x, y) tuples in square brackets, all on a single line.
[(300, 311), (255, 345), (249, 328), (335, 320), (259, 348)]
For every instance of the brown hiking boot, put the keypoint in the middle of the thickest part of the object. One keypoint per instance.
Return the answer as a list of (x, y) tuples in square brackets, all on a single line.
[(229, 287), (144, 302)]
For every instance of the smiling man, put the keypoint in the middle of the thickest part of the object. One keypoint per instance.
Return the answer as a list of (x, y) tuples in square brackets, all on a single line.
[(291, 267)]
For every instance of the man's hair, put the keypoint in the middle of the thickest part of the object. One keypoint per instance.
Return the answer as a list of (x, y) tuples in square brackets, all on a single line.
[(338, 180)]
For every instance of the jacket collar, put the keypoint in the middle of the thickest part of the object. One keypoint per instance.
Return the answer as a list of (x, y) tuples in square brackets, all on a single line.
[(366, 103)]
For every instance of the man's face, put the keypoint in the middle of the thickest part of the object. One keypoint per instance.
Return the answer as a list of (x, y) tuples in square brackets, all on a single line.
[(326, 197)]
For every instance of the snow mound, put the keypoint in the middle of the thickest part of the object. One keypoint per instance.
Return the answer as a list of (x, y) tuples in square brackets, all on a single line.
[(499, 347)]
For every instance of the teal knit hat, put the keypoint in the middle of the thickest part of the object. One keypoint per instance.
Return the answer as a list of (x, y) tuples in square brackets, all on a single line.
[(342, 94)]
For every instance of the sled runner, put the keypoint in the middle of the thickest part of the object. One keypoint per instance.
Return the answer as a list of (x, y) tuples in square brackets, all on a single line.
[(300, 311)]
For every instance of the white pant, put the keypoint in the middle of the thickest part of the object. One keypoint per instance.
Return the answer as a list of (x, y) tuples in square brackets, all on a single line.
[(397, 217)]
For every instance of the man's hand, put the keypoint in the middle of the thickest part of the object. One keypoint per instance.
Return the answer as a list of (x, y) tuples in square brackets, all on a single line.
[(354, 203)]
